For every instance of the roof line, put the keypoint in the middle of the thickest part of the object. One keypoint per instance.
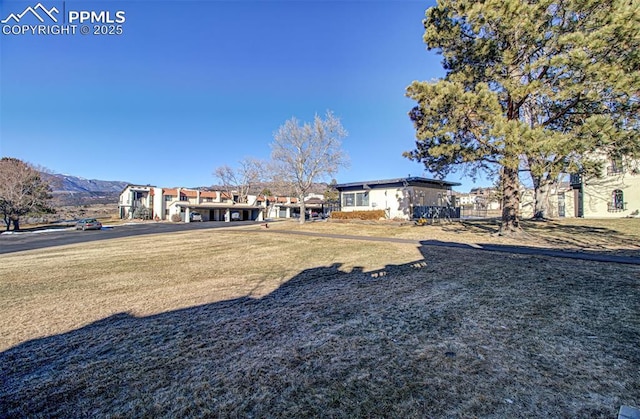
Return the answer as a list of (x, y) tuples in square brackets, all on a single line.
[(410, 179)]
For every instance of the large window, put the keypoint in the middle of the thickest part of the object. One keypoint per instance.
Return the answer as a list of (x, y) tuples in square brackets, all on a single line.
[(355, 199)]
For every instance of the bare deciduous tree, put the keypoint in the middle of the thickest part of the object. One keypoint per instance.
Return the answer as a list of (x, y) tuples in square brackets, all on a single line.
[(22, 191), (304, 154), (242, 180)]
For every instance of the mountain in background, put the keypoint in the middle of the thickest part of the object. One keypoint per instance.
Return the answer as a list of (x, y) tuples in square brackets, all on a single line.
[(67, 183), (74, 190)]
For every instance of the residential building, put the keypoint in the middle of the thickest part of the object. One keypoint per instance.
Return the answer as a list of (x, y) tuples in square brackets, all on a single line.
[(135, 198), (177, 204), (479, 202), (397, 197), (615, 193)]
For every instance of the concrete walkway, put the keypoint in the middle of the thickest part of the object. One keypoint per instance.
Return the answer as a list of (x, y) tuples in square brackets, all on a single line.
[(523, 250)]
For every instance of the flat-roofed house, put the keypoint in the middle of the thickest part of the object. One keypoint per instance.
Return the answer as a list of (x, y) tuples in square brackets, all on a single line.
[(397, 197)]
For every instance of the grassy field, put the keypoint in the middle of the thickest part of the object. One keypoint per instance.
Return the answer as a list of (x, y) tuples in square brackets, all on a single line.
[(621, 235), (243, 323)]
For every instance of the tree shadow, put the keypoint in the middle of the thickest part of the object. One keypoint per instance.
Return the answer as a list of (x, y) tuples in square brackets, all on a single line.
[(559, 235), (99, 368), (588, 237), (325, 343)]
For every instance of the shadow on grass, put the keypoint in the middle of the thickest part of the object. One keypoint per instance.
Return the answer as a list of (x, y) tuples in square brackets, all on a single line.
[(631, 257), (560, 234), (583, 236), (452, 334)]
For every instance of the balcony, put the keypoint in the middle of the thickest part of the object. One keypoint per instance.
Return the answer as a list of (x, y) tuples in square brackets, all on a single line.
[(616, 206)]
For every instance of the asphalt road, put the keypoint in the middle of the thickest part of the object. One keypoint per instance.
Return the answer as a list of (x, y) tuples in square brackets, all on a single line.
[(20, 241)]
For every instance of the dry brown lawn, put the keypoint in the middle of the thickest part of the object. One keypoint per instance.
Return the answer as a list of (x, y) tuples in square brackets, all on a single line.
[(236, 323), (621, 235)]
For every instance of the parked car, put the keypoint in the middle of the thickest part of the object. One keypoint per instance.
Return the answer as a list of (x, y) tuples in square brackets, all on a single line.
[(196, 216), (88, 224)]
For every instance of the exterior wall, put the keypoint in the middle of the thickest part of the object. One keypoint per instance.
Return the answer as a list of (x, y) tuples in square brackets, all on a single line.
[(159, 210), (526, 203), (569, 203), (485, 200), (598, 199), (394, 201), (397, 202), (278, 211), (172, 209), (124, 203), (598, 193), (253, 200), (133, 196)]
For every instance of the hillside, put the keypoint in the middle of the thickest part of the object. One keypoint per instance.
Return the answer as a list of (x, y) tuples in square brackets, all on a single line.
[(67, 183), (74, 190)]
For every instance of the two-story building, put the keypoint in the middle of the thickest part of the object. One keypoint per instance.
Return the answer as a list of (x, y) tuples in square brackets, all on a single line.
[(615, 193), (178, 204)]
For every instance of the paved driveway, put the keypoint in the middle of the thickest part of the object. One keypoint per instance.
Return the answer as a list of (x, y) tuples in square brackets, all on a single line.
[(16, 242)]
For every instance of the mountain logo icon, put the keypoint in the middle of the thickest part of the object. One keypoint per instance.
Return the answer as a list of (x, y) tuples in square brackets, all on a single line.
[(38, 11)]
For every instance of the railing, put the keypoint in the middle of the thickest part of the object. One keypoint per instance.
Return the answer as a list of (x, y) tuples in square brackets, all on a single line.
[(435, 212), (616, 206)]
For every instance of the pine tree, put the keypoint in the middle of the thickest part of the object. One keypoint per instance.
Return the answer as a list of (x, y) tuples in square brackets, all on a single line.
[(534, 85)]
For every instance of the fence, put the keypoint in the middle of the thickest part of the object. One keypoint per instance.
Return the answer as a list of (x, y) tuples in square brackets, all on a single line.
[(431, 212), (434, 212)]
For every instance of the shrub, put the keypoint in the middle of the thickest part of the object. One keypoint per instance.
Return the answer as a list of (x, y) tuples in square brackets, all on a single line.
[(176, 218), (358, 215), (141, 212)]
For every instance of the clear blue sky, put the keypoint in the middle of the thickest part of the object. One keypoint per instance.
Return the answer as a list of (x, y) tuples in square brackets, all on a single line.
[(192, 85)]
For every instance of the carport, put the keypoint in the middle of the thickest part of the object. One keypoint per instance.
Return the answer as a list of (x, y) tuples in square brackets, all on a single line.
[(221, 212)]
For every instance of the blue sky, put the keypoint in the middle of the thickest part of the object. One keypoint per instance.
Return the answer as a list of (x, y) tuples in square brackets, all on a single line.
[(192, 85)]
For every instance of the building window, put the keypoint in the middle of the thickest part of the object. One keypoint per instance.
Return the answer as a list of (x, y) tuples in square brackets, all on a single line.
[(355, 199), (616, 167), (575, 179), (617, 201), (184, 197), (168, 197)]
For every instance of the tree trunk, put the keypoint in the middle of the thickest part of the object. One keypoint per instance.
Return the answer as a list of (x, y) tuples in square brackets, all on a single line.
[(16, 223), (541, 189), (510, 201), (303, 210)]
